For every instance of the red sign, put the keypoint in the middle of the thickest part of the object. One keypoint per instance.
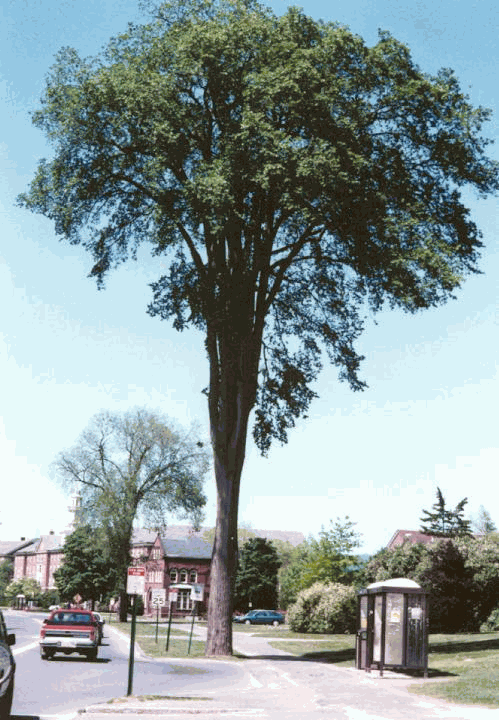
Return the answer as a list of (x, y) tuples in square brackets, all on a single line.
[(140, 571), (136, 578)]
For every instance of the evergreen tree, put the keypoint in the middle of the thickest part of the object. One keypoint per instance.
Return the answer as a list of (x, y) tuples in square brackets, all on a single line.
[(256, 579), (443, 522)]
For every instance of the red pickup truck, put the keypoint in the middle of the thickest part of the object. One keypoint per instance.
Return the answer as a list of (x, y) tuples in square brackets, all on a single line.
[(69, 631)]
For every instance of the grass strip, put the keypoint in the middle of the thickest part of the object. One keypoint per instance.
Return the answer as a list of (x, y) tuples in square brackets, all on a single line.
[(145, 636)]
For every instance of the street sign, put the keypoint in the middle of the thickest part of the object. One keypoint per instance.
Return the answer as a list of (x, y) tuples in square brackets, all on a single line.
[(197, 593), (158, 596), (172, 596), (136, 580)]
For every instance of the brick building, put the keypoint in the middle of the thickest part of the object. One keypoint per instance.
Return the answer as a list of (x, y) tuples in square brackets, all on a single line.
[(39, 559), (177, 558)]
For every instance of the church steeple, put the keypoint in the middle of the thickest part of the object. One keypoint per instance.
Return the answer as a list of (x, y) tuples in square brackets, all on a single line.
[(75, 510)]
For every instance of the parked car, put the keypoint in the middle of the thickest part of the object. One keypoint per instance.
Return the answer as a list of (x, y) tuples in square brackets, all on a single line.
[(100, 625), (69, 631), (7, 669), (260, 617)]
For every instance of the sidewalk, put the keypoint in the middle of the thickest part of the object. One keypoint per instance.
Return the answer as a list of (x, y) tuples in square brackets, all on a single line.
[(279, 686)]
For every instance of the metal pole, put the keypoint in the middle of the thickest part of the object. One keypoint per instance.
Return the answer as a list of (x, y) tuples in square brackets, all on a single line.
[(132, 646), (157, 622), (192, 626), (169, 628)]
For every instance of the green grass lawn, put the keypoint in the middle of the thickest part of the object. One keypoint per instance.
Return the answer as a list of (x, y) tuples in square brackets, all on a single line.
[(466, 665), (145, 636), (469, 667)]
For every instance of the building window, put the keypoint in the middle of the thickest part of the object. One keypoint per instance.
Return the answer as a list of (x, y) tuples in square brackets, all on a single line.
[(156, 554), (173, 576), (193, 577), (155, 576), (184, 600), (183, 576)]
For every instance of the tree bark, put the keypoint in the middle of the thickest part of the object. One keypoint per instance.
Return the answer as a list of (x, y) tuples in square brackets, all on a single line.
[(232, 395)]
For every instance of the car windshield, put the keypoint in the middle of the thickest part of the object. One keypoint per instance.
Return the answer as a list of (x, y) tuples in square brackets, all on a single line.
[(71, 618)]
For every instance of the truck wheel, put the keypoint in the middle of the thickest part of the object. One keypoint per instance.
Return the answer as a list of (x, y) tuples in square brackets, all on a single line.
[(92, 656)]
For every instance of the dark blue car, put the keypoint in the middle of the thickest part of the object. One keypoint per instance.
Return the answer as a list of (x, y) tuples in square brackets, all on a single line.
[(260, 617)]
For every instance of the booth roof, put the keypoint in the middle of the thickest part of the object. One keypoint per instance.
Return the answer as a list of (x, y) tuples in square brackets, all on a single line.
[(395, 582)]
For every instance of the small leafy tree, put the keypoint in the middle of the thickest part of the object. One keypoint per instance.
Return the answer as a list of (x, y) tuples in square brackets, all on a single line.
[(87, 569), (328, 558), (256, 579), (324, 608), (130, 465), (443, 522), (291, 179), (6, 574), (29, 587)]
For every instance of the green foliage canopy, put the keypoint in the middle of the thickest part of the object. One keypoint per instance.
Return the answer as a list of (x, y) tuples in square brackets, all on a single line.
[(256, 578), (134, 465), (460, 575), (86, 569), (6, 574), (285, 169), (329, 558)]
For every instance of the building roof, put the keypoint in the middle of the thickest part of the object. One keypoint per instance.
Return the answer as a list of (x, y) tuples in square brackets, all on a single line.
[(10, 547), (181, 531), (410, 536), (143, 537), (44, 543), (194, 548)]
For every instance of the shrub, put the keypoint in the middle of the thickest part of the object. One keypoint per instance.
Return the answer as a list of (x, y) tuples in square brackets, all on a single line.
[(324, 608), (492, 622)]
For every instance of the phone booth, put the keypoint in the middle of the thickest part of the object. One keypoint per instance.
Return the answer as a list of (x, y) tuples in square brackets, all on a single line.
[(392, 629)]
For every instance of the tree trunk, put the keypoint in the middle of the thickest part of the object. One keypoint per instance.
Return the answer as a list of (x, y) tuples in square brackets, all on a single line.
[(123, 606), (231, 399)]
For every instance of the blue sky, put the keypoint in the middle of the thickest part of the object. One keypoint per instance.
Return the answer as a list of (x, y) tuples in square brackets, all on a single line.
[(67, 351)]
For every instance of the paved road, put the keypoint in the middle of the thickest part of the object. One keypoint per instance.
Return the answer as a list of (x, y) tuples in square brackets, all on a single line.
[(62, 686), (270, 685)]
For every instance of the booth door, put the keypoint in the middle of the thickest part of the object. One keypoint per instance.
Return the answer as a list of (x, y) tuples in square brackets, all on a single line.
[(362, 635), (394, 630), (415, 631)]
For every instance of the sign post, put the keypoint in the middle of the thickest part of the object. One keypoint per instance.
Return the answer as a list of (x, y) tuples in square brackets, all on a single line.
[(197, 592), (172, 598), (158, 597), (136, 578)]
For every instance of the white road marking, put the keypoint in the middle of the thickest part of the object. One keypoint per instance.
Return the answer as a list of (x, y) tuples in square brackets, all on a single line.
[(19, 650)]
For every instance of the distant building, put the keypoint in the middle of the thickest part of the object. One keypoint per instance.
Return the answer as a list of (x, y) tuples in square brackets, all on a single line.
[(177, 558), (39, 559), (412, 537), (8, 548)]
